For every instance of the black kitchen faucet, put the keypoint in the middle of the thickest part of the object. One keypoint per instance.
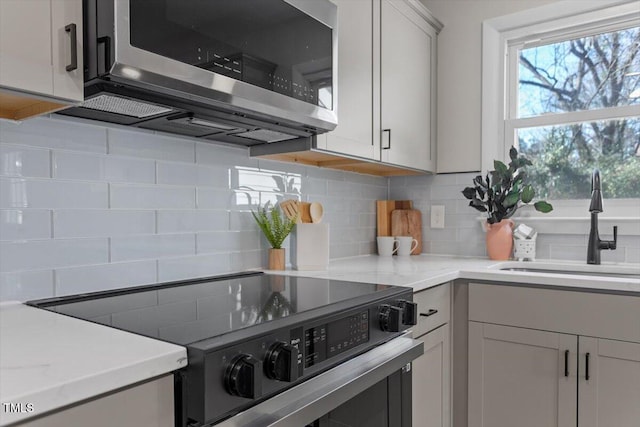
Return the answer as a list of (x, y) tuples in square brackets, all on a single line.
[(595, 244)]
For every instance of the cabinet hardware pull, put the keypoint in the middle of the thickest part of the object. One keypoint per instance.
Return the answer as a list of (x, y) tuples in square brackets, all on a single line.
[(431, 312), (72, 30), (586, 367), (566, 363), (388, 132)]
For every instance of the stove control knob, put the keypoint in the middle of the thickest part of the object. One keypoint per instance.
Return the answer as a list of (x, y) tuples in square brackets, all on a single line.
[(281, 362), (390, 318), (243, 377), (409, 312)]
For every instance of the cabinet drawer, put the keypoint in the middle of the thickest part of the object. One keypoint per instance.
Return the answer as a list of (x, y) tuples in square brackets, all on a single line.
[(581, 313), (433, 308)]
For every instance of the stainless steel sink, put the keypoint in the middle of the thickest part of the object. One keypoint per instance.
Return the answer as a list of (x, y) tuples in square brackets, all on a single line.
[(616, 274)]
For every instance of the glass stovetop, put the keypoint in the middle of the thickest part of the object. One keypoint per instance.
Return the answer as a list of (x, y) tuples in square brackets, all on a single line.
[(193, 311)]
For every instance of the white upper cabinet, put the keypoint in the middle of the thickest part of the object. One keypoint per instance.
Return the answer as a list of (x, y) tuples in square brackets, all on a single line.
[(67, 48), (41, 68), (386, 85), (407, 82), (354, 134)]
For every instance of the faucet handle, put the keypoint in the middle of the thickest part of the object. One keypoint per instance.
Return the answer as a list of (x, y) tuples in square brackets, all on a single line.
[(614, 243)]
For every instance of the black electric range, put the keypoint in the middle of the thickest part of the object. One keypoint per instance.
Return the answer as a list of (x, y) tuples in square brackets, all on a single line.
[(249, 336)]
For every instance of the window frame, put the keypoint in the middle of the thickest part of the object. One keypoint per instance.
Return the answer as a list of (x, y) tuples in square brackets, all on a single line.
[(502, 37)]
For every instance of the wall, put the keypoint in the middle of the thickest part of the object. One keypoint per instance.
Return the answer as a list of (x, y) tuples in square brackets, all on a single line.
[(463, 234), (86, 207), (459, 76)]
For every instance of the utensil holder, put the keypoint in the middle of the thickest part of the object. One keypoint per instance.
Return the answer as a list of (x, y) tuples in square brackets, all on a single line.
[(525, 249), (310, 247)]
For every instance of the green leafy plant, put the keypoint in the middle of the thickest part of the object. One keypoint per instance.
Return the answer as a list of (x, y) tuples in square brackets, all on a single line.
[(273, 225), (502, 191)]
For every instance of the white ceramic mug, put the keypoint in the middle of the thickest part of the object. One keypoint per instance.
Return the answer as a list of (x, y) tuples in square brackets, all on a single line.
[(386, 245), (406, 245)]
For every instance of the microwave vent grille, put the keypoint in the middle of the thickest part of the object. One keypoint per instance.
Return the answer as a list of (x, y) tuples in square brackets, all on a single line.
[(266, 135), (125, 106)]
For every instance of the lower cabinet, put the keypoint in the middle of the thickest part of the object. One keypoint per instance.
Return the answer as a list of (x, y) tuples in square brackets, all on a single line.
[(148, 404), (609, 383), (552, 358), (430, 380), (517, 377)]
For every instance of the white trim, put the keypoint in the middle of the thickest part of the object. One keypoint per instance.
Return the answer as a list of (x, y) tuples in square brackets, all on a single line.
[(627, 226), (611, 113)]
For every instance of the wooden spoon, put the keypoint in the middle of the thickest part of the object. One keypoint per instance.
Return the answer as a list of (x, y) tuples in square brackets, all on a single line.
[(317, 211), (291, 209)]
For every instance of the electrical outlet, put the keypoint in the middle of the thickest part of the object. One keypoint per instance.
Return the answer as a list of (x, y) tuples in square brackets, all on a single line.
[(437, 216)]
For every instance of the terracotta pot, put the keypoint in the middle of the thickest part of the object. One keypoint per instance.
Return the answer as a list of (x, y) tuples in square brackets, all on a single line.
[(276, 259), (500, 240)]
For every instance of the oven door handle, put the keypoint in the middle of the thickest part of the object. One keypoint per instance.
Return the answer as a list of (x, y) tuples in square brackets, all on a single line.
[(320, 395)]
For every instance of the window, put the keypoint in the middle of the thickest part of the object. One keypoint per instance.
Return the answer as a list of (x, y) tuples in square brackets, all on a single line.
[(568, 86), (575, 107)]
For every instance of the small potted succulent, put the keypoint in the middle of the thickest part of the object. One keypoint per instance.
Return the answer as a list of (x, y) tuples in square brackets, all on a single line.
[(276, 228), (498, 195)]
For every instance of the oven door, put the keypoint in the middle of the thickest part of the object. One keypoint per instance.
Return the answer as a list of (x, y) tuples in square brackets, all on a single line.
[(373, 389)]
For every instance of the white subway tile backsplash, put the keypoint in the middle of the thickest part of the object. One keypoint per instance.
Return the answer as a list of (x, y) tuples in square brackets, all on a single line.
[(126, 196), (102, 222), (152, 246), (92, 278), (314, 186), (26, 285), (56, 132), (51, 194), (195, 266), (107, 206), (23, 161), (213, 198), (23, 224), (242, 221), (193, 175), (91, 167), (228, 241), (447, 192), (192, 221), (248, 260), (140, 143), (216, 154), (46, 254)]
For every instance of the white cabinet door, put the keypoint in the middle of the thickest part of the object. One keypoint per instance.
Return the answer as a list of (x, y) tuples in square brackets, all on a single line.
[(25, 46), (611, 394), (148, 404), (66, 45), (518, 377), (354, 134), (406, 73), (431, 381)]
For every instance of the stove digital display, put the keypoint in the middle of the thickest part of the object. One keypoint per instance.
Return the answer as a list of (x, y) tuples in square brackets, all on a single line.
[(326, 341)]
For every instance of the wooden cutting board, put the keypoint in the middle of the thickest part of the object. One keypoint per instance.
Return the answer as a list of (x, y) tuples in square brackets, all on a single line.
[(384, 209), (408, 222)]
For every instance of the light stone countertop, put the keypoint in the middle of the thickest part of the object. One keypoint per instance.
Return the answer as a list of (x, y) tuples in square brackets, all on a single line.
[(49, 360), (425, 271)]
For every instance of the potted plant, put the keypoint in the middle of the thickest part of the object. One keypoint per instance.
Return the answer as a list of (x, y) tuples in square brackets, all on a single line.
[(275, 229), (499, 194)]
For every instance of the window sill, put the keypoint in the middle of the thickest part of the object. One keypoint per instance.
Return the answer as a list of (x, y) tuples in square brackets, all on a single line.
[(627, 226)]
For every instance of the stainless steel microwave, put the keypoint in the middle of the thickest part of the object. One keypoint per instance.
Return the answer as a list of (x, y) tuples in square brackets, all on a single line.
[(241, 71)]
